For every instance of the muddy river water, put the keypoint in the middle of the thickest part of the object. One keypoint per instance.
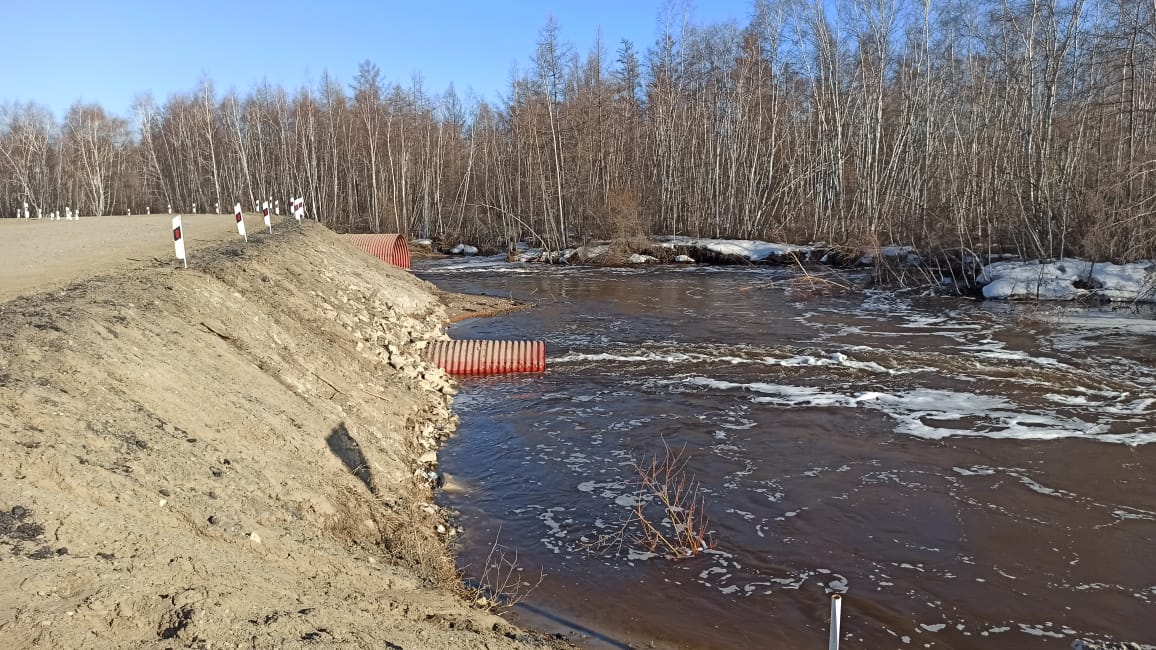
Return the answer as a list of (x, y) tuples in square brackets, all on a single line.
[(967, 474)]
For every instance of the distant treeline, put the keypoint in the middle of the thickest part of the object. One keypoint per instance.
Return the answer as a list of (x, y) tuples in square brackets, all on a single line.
[(943, 124)]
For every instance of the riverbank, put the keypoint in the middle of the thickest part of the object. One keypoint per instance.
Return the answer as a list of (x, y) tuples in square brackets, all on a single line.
[(994, 275), (230, 455)]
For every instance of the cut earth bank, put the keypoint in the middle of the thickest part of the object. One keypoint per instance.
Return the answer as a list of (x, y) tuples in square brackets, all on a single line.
[(230, 456)]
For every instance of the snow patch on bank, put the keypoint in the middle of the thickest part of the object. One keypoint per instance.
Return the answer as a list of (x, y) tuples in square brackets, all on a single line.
[(1069, 279), (751, 249)]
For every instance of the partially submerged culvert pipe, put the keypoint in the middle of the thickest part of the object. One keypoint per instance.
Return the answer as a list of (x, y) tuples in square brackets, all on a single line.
[(387, 248), (487, 357)]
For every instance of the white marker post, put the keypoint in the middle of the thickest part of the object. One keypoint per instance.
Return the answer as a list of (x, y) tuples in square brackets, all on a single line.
[(179, 241), (277, 207), (25, 210), (67, 213), (194, 208), (217, 207), (836, 612), (240, 222), (170, 208), (299, 208), (38, 214), (265, 211), (148, 209)]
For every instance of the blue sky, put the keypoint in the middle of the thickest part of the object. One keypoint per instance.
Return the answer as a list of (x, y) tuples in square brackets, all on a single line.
[(58, 52)]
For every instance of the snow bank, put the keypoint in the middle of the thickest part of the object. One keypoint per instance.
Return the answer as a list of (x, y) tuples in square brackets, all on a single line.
[(642, 259), (1070, 279), (463, 249), (751, 249)]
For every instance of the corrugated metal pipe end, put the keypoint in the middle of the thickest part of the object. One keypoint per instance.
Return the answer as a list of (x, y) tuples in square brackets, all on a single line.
[(487, 357), (387, 248)]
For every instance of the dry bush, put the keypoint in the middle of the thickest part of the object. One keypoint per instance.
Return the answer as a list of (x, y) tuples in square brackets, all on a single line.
[(669, 517), (626, 216), (815, 285), (501, 585), (391, 526)]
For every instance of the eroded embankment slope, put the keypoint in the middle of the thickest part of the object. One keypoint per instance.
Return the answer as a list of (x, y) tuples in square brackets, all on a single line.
[(224, 456)]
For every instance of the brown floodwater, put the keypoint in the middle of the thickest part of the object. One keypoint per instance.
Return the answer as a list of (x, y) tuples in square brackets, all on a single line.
[(966, 474)]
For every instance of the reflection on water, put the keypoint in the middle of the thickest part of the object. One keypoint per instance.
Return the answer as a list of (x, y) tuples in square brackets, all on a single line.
[(969, 475)]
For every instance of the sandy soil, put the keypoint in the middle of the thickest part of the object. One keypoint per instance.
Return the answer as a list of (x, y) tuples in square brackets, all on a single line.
[(231, 455)]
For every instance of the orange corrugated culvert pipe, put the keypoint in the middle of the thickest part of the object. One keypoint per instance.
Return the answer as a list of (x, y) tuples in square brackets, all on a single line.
[(387, 248), (487, 357)]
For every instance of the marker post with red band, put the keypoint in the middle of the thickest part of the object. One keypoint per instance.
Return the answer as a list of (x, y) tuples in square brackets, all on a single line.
[(265, 211), (179, 241), (240, 222)]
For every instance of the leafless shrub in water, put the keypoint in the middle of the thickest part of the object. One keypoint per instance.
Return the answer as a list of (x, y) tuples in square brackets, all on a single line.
[(502, 583), (669, 516)]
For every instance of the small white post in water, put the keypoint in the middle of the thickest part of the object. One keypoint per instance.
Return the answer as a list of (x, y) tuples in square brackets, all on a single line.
[(836, 612), (240, 222), (179, 241)]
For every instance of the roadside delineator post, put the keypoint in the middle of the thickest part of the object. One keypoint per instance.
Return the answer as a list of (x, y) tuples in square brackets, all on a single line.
[(836, 612), (240, 222), (179, 241), (265, 211), (25, 210)]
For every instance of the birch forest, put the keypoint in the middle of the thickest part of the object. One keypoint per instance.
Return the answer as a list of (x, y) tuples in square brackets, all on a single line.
[(1019, 125)]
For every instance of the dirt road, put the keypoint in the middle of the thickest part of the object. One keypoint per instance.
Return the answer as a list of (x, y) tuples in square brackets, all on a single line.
[(40, 254)]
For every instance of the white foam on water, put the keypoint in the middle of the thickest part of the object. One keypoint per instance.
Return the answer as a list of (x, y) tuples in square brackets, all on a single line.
[(834, 359), (996, 350), (974, 471), (939, 324), (1037, 630), (971, 414)]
